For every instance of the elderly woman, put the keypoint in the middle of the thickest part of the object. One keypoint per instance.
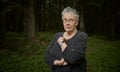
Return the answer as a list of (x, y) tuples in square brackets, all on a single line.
[(66, 52)]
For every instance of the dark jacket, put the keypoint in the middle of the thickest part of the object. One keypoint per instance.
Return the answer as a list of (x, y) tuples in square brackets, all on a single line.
[(74, 54)]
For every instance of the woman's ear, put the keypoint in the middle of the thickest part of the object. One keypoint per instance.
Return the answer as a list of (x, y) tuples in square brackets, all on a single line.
[(76, 24)]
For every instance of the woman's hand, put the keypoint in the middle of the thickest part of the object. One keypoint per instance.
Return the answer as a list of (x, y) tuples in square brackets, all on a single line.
[(60, 62), (63, 47), (65, 63), (61, 42)]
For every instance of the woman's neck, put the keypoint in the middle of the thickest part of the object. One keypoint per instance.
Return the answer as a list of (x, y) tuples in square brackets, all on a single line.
[(71, 32), (69, 35)]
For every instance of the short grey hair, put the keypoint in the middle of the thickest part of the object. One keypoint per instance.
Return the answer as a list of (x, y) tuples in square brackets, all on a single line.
[(70, 10)]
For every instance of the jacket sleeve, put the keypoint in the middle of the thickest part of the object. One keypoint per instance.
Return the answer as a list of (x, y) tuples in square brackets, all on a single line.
[(49, 58), (75, 54)]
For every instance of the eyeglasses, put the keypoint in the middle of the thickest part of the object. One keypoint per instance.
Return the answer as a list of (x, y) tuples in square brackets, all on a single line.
[(68, 20)]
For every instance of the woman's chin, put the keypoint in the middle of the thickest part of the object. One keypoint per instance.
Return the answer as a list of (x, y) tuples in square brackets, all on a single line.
[(67, 30)]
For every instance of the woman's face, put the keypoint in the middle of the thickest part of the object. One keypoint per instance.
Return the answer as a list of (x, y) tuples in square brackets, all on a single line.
[(69, 22)]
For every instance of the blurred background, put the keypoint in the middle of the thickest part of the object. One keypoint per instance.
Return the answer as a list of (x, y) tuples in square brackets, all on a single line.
[(27, 27)]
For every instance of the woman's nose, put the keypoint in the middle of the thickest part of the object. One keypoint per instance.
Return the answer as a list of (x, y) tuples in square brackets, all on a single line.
[(68, 22)]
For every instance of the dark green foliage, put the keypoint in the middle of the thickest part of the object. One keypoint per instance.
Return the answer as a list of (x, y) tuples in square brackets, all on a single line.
[(102, 55), (26, 57), (11, 40)]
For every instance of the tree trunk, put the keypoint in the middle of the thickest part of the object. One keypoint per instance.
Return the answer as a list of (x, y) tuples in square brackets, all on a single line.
[(82, 27), (30, 21)]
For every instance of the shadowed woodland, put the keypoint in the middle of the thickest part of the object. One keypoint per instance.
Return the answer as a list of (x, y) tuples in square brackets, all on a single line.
[(27, 27), (99, 17)]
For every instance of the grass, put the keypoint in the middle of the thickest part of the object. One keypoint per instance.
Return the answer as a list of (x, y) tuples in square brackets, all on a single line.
[(18, 55), (103, 55)]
